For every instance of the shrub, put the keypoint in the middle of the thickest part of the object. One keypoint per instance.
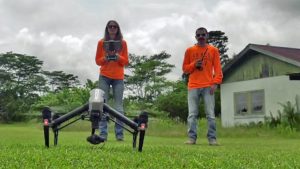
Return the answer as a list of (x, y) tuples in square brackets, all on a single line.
[(288, 117)]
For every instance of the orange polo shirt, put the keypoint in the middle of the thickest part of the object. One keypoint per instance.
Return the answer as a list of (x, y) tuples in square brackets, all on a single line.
[(212, 69), (112, 69)]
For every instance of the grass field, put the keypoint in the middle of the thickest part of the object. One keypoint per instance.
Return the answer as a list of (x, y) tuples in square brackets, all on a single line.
[(22, 146)]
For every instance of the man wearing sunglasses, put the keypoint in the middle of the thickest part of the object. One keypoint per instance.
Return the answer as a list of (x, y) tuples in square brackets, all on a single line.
[(202, 63)]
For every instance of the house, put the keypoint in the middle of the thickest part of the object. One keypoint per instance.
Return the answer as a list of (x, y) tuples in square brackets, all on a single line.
[(256, 81)]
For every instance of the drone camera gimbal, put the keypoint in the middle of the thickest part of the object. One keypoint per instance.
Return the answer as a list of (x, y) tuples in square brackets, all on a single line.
[(93, 111)]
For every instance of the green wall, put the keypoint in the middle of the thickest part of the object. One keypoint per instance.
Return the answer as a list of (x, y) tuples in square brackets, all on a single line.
[(258, 66)]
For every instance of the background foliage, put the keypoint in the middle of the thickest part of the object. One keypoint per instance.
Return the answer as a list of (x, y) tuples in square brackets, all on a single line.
[(23, 84), (25, 88)]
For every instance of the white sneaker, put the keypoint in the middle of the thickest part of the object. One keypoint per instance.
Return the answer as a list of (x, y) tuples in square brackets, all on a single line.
[(190, 141), (213, 142)]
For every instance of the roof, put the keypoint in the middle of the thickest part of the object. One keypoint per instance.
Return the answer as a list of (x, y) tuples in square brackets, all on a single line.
[(285, 54), (290, 53)]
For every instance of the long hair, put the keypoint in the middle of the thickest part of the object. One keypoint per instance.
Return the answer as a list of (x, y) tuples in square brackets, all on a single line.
[(119, 35)]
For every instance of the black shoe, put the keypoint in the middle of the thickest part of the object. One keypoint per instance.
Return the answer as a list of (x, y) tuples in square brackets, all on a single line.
[(94, 139)]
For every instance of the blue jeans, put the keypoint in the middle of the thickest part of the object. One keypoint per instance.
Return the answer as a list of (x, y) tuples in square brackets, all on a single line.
[(194, 96), (117, 87)]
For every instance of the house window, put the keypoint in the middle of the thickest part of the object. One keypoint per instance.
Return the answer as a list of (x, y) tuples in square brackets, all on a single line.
[(249, 103), (241, 102), (265, 71)]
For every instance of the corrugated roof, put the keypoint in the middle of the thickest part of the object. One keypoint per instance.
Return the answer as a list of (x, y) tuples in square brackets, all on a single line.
[(291, 53)]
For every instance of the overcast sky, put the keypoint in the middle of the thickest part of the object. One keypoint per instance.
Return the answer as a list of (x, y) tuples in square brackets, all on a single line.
[(64, 33)]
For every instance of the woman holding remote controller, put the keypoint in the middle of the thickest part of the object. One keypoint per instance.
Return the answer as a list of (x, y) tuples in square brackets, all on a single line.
[(112, 61)]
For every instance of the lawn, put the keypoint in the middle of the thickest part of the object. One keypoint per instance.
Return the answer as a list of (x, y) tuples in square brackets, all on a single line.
[(22, 146)]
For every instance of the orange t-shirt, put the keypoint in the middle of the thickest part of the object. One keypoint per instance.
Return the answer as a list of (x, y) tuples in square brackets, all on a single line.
[(112, 69), (212, 69)]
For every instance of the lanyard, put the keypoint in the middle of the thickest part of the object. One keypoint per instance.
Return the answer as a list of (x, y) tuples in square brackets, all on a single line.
[(203, 55)]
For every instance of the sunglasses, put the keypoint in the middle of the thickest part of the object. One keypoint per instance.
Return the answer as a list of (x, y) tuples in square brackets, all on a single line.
[(112, 26), (198, 34)]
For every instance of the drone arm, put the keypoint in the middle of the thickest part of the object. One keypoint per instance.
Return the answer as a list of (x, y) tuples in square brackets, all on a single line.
[(71, 114), (121, 117)]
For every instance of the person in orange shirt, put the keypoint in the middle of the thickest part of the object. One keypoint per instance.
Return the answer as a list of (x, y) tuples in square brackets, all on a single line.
[(112, 63), (202, 63)]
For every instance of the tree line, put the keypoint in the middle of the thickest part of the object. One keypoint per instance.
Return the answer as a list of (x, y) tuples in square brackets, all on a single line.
[(25, 88)]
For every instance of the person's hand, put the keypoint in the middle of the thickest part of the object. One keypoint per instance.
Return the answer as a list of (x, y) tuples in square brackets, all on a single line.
[(117, 56), (112, 56), (111, 53), (213, 89)]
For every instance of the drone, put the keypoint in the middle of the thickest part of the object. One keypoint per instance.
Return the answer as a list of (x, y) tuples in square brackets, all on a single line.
[(93, 110)]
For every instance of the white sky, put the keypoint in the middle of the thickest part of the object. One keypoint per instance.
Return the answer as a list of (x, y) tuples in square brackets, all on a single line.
[(64, 33)]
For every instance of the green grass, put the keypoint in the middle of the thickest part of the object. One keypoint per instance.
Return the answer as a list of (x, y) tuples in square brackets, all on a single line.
[(22, 146)]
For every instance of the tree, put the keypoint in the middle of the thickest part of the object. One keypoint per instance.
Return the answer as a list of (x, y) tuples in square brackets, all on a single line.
[(89, 84), (175, 103), (219, 40), (67, 99), (58, 80), (21, 82), (146, 79)]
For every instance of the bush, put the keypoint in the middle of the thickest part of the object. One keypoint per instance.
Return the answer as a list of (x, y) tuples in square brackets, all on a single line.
[(63, 101), (288, 117), (14, 111), (175, 102), (273, 121)]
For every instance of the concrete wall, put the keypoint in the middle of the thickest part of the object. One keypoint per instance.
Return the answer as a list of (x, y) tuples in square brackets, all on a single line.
[(277, 89)]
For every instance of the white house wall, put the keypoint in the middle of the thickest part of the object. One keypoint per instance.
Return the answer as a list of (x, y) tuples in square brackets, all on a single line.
[(277, 89)]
